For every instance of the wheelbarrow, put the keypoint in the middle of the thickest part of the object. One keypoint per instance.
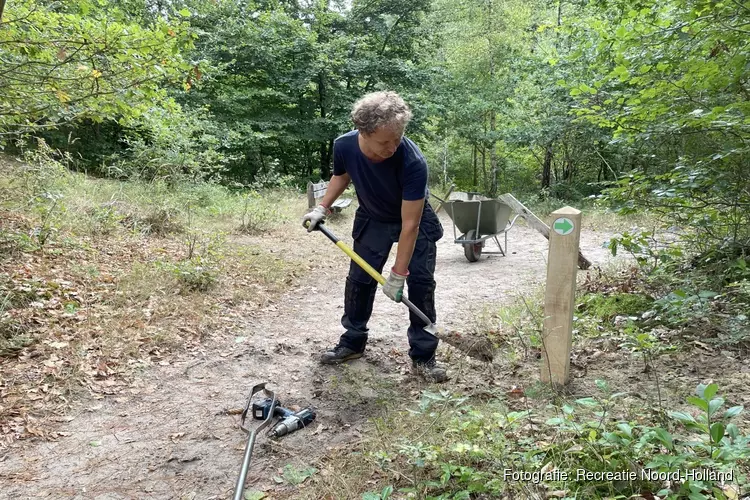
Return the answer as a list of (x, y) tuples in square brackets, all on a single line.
[(478, 220)]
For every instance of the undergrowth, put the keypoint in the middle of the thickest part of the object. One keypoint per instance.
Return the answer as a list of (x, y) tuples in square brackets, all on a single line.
[(101, 278), (450, 447)]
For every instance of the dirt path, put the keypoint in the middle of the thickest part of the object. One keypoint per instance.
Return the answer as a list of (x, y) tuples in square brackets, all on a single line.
[(176, 436)]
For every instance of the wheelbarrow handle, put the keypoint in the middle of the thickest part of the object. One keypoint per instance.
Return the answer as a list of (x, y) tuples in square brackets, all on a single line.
[(371, 271)]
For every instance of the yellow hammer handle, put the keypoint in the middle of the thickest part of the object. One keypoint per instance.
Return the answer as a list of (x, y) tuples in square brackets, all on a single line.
[(359, 260)]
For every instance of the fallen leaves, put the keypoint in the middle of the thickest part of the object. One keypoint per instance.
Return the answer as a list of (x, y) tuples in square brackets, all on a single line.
[(93, 311), (72, 330)]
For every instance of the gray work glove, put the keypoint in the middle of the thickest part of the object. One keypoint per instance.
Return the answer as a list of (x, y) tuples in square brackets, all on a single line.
[(315, 217), (394, 286)]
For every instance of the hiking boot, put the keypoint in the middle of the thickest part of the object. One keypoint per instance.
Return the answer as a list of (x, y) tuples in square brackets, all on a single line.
[(430, 370), (339, 354)]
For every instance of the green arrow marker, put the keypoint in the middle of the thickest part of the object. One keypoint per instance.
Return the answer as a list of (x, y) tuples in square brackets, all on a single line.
[(563, 226)]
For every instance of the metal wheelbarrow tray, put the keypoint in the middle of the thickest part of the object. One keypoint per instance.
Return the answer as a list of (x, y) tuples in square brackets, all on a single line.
[(477, 221)]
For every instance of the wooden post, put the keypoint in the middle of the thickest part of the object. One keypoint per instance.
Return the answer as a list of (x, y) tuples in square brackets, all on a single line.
[(559, 295), (310, 195)]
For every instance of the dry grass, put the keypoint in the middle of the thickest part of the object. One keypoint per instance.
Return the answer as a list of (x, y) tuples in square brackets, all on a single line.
[(101, 279)]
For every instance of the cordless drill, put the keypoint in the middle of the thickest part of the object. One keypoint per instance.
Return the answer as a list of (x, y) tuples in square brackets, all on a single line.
[(290, 421)]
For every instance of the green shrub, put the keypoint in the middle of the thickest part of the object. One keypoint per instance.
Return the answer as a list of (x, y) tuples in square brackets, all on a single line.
[(607, 307), (196, 274), (258, 214), (647, 250)]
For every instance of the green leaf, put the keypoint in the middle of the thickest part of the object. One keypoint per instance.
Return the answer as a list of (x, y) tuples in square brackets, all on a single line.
[(714, 405), (682, 417), (733, 411), (698, 402), (717, 432), (625, 427), (710, 391), (733, 431), (587, 402), (184, 12), (621, 32), (295, 477), (701, 388), (254, 495), (664, 437)]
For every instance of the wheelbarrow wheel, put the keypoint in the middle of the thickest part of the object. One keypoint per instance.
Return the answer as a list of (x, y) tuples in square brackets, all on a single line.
[(472, 251)]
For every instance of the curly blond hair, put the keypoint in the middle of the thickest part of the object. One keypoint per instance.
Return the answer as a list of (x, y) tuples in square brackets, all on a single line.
[(379, 109)]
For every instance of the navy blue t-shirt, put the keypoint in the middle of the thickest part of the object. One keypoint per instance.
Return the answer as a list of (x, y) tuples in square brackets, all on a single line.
[(383, 185)]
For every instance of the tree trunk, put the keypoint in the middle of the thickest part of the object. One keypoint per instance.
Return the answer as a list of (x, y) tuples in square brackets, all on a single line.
[(548, 151), (308, 163), (568, 166), (445, 162), (262, 161), (484, 155), (325, 159), (547, 166), (493, 159), (325, 149), (474, 160)]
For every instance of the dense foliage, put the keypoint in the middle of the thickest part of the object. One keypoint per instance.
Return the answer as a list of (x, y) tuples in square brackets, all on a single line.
[(643, 102)]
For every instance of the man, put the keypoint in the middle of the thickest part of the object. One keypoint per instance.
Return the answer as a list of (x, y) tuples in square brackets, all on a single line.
[(389, 174)]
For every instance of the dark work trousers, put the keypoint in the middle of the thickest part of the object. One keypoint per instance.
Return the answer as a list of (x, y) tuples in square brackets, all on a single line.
[(373, 241)]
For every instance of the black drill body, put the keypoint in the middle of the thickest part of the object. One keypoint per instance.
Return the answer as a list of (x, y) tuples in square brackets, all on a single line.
[(290, 421)]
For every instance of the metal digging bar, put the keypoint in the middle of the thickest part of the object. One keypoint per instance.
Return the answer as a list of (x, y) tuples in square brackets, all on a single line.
[(429, 327), (238, 489)]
